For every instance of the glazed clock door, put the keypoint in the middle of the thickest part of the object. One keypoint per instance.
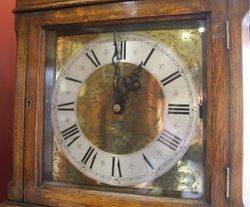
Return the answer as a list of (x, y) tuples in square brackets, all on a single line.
[(124, 109), (126, 105), (123, 130)]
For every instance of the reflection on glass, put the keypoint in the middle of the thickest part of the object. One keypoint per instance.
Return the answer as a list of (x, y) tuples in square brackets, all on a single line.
[(246, 86), (186, 178)]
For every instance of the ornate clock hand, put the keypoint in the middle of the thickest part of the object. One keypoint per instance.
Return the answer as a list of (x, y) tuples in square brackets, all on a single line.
[(132, 82), (119, 97)]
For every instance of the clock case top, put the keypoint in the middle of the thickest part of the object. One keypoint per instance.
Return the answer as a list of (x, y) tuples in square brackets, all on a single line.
[(31, 5), (223, 95)]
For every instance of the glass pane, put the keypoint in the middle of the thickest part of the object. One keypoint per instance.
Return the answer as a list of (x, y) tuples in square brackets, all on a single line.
[(132, 133), (246, 103)]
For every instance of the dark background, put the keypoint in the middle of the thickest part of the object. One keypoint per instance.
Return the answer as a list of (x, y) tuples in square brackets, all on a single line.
[(7, 91)]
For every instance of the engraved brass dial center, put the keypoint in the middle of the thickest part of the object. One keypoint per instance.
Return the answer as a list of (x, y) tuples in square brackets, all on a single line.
[(123, 133)]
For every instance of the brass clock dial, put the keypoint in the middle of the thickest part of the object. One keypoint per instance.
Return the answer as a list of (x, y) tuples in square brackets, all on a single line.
[(125, 133), (123, 148)]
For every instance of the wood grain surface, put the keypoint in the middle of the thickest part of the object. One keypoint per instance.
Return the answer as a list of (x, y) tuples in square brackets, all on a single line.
[(37, 5), (16, 184), (222, 89), (236, 97)]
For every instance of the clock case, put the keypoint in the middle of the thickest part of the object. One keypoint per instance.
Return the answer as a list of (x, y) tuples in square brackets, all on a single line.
[(35, 22)]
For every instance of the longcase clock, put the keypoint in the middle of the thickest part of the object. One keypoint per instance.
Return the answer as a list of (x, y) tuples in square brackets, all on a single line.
[(127, 103)]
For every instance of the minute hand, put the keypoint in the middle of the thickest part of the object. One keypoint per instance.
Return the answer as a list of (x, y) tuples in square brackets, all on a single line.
[(118, 95)]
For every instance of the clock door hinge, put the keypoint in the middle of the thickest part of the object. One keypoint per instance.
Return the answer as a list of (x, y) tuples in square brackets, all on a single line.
[(28, 103), (228, 34), (227, 182)]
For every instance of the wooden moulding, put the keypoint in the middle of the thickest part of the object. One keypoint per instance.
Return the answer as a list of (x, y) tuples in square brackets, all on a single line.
[(37, 5), (16, 185), (16, 204), (51, 194), (237, 10), (223, 96)]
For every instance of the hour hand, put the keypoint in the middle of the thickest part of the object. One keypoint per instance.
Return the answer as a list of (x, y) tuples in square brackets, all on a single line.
[(118, 95), (132, 82)]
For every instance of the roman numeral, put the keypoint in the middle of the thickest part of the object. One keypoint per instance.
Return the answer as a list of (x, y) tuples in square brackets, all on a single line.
[(73, 140), (66, 107), (147, 161), (148, 57), (93, 59), (171, 78), (70, 133), (178, 109), (88, 155), (122, 50), (72, 79), (170, 140), (116, 164)]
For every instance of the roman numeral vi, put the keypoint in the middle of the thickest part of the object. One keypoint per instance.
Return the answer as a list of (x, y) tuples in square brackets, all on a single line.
[(88, 155)]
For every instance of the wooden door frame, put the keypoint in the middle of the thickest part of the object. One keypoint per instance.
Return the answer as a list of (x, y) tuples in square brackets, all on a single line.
[(31, 28)]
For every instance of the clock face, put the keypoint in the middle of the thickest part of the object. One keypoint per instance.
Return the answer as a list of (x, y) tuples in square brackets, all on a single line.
[(156, 125)]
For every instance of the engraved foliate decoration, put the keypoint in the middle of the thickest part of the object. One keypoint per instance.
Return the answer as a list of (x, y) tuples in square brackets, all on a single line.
[(143, 142)]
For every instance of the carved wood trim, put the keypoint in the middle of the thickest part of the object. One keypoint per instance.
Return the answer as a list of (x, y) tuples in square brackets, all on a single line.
[(16, 185), (40, 5)]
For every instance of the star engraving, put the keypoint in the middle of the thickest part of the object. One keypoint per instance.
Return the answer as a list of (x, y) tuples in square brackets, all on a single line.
[(67, 92), (87, 49), (53, 106), (162, 66), (131, 166), (63, 73), (105, 52), (183, 71), (176, 93), (79, 146), (102, 163), (67, 120), (159, 153), (135, 51), (82, 68), (177, 125)]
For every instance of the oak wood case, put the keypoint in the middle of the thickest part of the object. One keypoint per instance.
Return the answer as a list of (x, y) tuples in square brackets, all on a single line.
[(223, 96)]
